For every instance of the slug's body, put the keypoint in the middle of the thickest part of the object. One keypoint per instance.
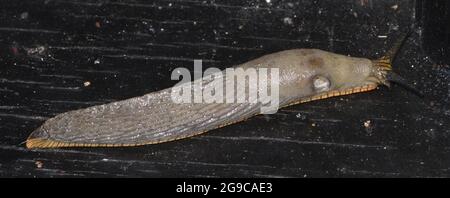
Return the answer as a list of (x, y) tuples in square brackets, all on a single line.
[(304, 75)]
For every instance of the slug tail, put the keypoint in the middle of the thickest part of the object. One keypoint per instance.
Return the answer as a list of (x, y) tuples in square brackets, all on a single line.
[(150, 119), (33, 143)]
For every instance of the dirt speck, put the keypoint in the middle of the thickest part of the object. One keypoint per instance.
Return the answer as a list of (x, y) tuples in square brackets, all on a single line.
[(24, 15), (288, 21), (394, 7), (367, 123), (39, 164), (87, 83)]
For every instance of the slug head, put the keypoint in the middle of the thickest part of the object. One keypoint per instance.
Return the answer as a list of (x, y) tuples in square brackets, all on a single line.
[(339, 75), (382, 68)]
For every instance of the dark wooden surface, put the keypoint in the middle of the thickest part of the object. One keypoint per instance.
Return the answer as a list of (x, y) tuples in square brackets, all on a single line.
[(50, 49)]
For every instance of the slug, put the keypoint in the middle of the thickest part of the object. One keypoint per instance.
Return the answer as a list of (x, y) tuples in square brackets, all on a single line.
[(304, 75)]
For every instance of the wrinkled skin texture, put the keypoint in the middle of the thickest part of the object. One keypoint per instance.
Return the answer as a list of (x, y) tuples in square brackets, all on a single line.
[(304, 75)]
